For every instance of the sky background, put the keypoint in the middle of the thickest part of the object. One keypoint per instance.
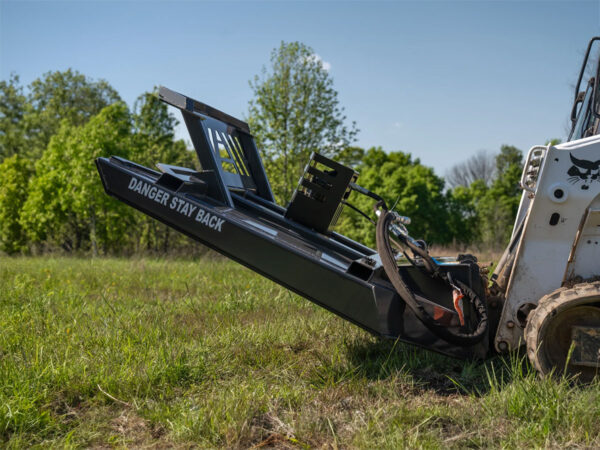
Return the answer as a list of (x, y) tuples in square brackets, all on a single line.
[(440, 80)]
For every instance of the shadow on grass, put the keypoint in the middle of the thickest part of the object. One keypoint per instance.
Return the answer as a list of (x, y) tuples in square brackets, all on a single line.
[(381, 359)]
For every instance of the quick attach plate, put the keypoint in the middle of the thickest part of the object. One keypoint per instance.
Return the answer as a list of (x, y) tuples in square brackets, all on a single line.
[(317, 201)]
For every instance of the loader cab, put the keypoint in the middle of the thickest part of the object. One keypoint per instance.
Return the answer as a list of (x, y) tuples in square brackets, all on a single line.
[(585, 114), (585, 122)]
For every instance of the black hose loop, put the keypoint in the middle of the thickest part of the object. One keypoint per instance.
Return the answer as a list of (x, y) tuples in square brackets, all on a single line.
[(388, 260)]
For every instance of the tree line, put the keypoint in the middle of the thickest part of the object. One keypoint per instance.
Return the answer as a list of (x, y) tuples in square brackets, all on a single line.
[(51, 132), (296, 111), (51, 197)]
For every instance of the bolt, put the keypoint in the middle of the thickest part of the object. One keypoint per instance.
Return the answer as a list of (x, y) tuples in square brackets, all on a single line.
[(510, 324), (503, 346)]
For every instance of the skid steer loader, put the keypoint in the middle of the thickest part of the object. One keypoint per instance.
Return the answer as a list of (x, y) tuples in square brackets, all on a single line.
[(544, 293)]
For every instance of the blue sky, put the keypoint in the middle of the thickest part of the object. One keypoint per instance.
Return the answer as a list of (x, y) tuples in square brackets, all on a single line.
[(440, 80)]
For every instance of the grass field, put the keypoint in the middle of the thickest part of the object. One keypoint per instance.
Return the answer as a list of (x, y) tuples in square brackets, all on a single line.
[(155, 353)]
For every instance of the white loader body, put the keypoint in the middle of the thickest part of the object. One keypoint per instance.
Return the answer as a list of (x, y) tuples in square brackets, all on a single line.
[(560, 238)]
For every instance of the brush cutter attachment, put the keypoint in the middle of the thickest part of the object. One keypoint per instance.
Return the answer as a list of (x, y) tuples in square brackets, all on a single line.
[(228, 206)]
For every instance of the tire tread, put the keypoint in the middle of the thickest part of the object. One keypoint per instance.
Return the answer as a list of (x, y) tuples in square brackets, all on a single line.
[(549, 306)]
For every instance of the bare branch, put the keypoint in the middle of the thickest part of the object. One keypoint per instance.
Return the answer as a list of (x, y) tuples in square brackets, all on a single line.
[(480, 166)]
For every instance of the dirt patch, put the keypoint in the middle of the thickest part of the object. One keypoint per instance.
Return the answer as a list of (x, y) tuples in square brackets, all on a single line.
[(578, 280), (431, 380), (269, 431), (129, 424), (137, 431)]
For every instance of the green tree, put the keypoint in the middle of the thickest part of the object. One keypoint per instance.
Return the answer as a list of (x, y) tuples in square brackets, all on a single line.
[(490, 210), (15, 172), (463, 221), (414, 189), (13, 105), (154, 142), (59, 96), (510, 157), (152, 118), (67, 206), (351, 156), (296, 111), (154, 134), (500, 205)]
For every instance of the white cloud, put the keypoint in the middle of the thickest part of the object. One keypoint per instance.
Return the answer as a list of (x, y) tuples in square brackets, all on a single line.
[(315, 57)]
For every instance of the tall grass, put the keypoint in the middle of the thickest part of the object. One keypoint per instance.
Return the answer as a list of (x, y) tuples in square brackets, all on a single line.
[(138, 352)]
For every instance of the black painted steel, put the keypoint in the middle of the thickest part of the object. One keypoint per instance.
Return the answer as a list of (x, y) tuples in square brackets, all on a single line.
[(585, 112), (317, 201)]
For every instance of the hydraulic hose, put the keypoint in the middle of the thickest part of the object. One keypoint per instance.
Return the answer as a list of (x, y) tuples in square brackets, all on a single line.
[(388, 260)]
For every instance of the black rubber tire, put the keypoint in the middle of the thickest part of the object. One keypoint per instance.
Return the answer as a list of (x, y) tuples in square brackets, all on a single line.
[(548, 343)]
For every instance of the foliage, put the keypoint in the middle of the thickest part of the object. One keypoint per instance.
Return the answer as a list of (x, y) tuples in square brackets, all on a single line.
[(414, 189), (153, 141), (29, 119), (351, 156), (60, 96), (296, 111), (67, 206), (15, 172), (481, 212), (51, 132), (554, 141), (154, 134), (462, 214), (63, 206), (12, 110), (491, 210)]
